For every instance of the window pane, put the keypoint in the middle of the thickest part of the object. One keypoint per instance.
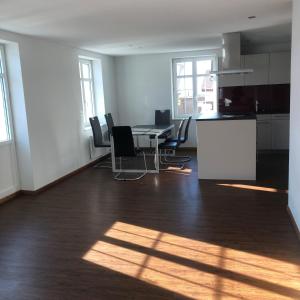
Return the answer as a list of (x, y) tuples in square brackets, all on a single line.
[(188, 68), (184, 68), (88, 99), (185, 96), (206, 94), (185, 106), (204, 66), (87, 92), (4, 134), (194, 91), (180, 69), (86, 72), (185, 84)]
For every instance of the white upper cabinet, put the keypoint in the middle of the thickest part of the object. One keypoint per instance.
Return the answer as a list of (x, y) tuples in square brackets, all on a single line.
[(231, 79), (273, 68), (260, 64), (280, 67)]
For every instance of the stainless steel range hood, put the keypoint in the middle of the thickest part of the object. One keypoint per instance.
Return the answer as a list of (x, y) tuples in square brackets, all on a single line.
[(231, 55)]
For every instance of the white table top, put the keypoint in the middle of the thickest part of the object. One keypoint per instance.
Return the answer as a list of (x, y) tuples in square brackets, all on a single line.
[(150, 129)]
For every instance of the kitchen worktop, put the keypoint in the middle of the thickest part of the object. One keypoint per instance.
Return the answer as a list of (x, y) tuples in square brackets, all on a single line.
[(225, 117)]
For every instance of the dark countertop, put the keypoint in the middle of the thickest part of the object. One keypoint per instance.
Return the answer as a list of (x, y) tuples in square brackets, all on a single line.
[(225, 117)]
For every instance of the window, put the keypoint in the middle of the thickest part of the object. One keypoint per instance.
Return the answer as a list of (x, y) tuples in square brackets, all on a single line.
[(195, 90), (5, 133), (87, 89)]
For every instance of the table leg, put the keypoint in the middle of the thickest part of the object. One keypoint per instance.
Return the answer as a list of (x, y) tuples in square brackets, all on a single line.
[(156, 161), (113, 159)]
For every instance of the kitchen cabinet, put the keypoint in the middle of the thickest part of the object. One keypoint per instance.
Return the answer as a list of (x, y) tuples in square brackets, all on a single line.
[(280, 131), (280, 68), (231, 79), (226, 148), (264, 132), (273, 132), (260, 64), (273, 68)]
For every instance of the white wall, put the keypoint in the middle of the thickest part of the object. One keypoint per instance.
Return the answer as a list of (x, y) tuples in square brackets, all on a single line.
[(58, 143), (294, 170), (144, 83)]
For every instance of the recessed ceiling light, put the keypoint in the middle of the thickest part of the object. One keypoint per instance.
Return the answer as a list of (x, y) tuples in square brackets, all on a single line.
[(251, 17)]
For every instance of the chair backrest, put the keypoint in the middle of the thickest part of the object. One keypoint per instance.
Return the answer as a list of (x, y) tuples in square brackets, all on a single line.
[(179, 132), (163, 117), (97, 132), (186, 130), (123, 141), (110, 123)]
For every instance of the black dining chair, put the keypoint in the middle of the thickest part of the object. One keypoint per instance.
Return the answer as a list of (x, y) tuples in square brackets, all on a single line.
[(171, 145), (162, 117), (110, 124), (98, 138), (123, 148), (183, 139)]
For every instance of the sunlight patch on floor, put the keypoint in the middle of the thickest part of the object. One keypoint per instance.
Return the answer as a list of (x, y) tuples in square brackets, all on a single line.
[(177, 170), (253, 187), (192, 268)]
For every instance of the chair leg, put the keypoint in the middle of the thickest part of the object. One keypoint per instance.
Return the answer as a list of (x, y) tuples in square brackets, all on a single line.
[(165, 162), (116, 177), (102, 164), (178, 159)]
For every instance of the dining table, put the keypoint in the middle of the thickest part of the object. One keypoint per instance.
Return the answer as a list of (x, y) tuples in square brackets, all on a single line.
[(155, 131)]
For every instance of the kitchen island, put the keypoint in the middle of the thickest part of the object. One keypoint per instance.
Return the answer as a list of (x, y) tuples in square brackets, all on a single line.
[(226, 147)]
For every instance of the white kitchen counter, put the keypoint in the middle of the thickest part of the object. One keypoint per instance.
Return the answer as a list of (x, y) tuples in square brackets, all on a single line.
[(226, 148)]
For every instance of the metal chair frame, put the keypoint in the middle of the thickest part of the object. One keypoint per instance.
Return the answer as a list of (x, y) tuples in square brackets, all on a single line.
[(121, 170)]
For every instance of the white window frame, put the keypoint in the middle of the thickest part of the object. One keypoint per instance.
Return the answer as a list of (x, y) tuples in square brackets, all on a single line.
[(194, 76), (4, 86), (91, 81)]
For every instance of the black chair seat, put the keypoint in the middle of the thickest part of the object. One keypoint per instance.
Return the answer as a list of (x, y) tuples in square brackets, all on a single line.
[(168, 145)]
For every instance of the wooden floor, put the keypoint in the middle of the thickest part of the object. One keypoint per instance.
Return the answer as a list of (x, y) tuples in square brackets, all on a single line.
[(166, 236)]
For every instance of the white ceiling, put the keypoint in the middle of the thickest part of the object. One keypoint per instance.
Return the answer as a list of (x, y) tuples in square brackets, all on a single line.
[(122, 27)]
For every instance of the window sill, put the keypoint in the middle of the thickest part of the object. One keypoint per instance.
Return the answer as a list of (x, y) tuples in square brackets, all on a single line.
[(5, 143), (87, 128)]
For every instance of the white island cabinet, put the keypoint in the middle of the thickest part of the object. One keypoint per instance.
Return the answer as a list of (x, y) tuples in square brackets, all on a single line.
[(226, 147)]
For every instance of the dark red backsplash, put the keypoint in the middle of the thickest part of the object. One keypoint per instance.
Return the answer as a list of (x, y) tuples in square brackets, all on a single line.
[(272, 99)]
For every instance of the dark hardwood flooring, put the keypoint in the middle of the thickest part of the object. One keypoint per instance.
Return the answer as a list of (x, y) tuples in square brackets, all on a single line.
[(167, 236)]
